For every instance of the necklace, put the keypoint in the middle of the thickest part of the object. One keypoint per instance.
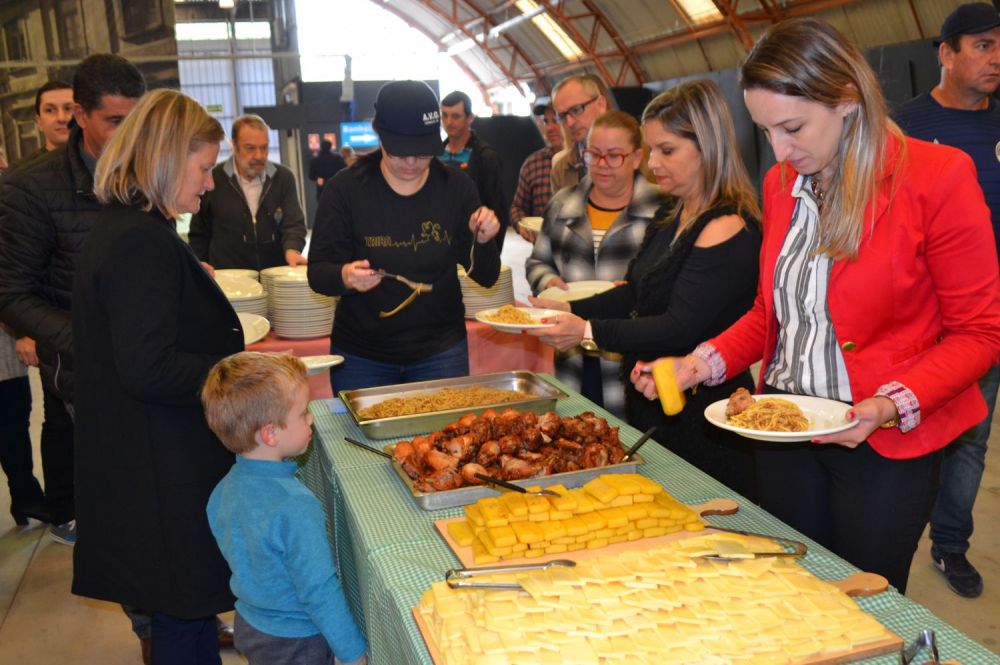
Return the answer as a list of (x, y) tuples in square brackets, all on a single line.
[(817, 192)]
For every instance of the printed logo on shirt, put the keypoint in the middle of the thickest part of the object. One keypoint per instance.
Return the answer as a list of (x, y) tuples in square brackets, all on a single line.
[(429, 232)]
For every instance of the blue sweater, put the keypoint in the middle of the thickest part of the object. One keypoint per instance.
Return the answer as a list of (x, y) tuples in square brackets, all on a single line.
[(977, 133), (270, 529)]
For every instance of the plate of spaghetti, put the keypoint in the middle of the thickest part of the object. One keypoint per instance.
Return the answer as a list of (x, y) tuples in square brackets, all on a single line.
[(509, 318), (779, 418)]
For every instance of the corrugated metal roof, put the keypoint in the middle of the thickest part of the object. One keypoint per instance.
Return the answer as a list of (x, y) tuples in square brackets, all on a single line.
[(630, 42)]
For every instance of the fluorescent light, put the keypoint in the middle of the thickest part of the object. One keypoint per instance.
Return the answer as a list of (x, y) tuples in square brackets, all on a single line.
[(701, 11), (498, 29), (552, 31), (227, 4)]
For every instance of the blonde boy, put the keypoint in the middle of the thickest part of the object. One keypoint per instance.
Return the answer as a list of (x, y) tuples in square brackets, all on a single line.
[(290, 607)]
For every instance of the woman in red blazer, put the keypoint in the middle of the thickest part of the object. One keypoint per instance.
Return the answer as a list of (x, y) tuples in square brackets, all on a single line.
[(878, 287)]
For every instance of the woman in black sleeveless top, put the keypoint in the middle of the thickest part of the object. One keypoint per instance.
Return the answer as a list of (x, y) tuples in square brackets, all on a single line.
[(695, 274)]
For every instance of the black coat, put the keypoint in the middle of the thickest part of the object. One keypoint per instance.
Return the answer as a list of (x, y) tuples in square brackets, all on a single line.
[(227, 234), (148, 324), (47, 207)]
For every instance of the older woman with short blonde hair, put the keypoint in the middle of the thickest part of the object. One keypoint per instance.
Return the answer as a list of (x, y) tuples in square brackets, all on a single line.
[(148, 324)]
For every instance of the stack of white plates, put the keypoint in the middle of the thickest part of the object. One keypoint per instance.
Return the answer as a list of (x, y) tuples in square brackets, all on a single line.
[(297, 311), (477, 298), (268, 275), (238, 272), (244, 294), (255, 328)]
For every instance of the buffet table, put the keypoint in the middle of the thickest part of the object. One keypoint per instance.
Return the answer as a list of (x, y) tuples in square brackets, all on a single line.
[(489, 351), (389, 552)]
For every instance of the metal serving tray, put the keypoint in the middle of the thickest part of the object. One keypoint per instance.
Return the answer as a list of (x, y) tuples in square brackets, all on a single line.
[(543, 400), (464, 496)]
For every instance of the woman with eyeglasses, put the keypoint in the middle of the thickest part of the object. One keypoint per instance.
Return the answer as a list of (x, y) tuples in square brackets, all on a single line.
[(590, 232), (694, 275), (388, 234), (878, 288)]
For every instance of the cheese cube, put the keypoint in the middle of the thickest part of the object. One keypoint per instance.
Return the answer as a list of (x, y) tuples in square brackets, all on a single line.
[(616, 517), (600, 490), (480, 556), (596, 543), (575, 526), (474, 515), (502, 536), (461, 532), (527, 532), (515, 504)]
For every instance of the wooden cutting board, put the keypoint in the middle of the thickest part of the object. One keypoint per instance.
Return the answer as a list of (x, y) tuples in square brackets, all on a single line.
[(713, 507), (859, 584)]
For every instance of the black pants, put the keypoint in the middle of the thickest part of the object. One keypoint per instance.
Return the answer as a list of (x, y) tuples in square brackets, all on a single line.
[(15, 442), (57, 459), (866, 508), (178, 641)]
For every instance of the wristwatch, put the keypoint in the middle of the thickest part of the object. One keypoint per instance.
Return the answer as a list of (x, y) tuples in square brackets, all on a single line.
[(588, 343)]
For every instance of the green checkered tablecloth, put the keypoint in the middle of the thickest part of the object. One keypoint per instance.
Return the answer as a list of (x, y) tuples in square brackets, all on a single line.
[(389, 553)]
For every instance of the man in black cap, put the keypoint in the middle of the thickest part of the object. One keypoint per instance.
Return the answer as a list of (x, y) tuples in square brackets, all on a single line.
[(961, 112), (534, 183), (387, 236)]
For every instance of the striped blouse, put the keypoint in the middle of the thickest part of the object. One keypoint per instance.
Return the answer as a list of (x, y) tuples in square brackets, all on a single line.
[(807, 360)]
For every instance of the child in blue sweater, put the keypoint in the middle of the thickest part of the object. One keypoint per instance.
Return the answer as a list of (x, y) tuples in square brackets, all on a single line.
[(290, 607)]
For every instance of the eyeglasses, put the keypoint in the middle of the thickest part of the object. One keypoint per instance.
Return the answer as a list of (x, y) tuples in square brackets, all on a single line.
[(575, 111), (612, 159)]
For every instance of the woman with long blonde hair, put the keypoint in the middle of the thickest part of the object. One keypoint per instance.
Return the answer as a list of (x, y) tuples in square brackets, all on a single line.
[(148, 324), (878, 288), (694, 274)]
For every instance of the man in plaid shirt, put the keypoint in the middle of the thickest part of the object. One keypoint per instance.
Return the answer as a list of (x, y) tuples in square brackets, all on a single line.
[(534, 184)]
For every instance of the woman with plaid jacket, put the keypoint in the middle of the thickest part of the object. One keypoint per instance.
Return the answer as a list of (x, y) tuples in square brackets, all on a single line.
[(592, 231)]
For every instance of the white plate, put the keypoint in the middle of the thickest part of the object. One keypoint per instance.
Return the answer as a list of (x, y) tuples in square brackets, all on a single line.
[(238, 272), (316, 364), (239, 287), (255, 327), (577, 290), (532, 223), (826, 416), (518, 327)]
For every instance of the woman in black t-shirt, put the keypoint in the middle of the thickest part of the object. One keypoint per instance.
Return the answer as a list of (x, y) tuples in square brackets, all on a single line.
[(399, 211), (694, 275)]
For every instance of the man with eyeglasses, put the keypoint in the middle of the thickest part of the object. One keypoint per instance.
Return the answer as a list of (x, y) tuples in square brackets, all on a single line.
[(577, 101), (534, 183)]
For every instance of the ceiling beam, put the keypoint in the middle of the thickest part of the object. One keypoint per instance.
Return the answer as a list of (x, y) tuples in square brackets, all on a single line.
[(687, 21), (739, 29)]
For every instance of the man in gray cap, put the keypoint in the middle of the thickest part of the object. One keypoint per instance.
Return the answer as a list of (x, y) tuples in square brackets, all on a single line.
[(961, 112), (534, 182), (387, 236)]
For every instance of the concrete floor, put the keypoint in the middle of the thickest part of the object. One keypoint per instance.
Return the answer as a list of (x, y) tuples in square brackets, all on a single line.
[(42, 623)]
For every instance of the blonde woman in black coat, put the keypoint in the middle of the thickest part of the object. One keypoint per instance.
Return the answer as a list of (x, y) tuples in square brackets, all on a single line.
[(148, 323)]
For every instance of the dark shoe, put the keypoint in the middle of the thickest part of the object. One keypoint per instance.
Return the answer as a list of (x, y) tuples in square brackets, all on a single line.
[(64, 533), (962, 576), (146, 644), (225, 633), (34, 510)]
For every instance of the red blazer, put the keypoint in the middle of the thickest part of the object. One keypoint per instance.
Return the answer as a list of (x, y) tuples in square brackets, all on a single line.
[(920, 304)]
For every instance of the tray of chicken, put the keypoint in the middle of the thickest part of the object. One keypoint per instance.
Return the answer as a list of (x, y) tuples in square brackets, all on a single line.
[(523, 448), (440, 402)]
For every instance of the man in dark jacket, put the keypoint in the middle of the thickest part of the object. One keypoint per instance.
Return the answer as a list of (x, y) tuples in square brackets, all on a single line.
[(252, 219), (47, 207), (473, 156), (324, 166)]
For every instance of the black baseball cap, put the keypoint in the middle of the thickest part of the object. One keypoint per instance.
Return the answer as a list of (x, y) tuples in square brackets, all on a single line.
[(408, 119), (970, 19)]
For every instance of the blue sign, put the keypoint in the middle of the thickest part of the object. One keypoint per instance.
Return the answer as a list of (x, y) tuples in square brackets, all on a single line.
[(358, 135)]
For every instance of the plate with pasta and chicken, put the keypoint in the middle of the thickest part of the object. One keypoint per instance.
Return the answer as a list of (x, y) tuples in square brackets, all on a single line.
[(779, 418)]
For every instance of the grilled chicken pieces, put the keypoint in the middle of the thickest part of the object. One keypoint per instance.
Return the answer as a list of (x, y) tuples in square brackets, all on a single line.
[(509, 445), (739, 401)]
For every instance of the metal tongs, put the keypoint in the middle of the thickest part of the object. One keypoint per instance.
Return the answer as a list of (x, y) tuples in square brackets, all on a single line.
[(924, 639), (418, 288), (799, 549), (456, 578), (512, 487)]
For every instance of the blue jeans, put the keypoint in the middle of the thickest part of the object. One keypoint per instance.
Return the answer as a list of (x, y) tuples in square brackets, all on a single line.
[(961, 472), (358, 372)]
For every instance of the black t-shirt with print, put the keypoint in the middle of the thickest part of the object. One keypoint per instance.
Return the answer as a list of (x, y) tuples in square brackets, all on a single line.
[(421, 237)]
